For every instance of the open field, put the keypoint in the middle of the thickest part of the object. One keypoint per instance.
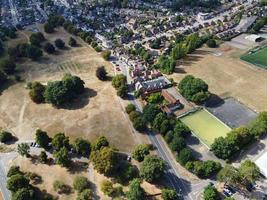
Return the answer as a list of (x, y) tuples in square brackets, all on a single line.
[(227, 76), (97, 112), (257, 57), (205, 126)]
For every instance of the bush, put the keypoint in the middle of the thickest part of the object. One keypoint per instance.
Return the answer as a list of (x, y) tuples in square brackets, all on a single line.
[(211, 43), (80, 183), (106, 55), (33, 52), (107, 187), (49, 48), (129, 108), (6, 137), (101, 73), (42, 157), (169, 194), (135, 190), (100, 142), (134, 115), (37, 38), (14, 170), (210, 193), (59, 43), (60, 187), (37, 92), (16, 182), (140, 151), (72, 42), (86, 194)]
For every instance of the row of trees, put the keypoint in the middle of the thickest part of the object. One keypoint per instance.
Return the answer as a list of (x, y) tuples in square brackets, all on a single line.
[(136, 117), (57, 92), (227, 147), (119, 82), (194, 89)]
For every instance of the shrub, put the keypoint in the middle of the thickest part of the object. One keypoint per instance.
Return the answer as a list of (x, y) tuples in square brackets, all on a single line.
[(16, 182), (59, 43), (129, 108), (60, 187), (86, 194), (5, 136), (80, 183), (14, 170), (107, 187), (49, 48), (72, 42), (169, 194), (211, 43)]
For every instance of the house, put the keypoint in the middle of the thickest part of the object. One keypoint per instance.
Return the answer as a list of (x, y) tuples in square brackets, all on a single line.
[(173, 103)]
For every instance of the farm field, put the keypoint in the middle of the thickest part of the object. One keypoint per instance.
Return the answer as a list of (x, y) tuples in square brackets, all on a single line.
[(227, 76), (258, 58), (206, 126), (97, 112)]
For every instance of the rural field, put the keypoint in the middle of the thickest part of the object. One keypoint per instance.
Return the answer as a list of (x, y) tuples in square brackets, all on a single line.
[(97, 112), (227, 75)]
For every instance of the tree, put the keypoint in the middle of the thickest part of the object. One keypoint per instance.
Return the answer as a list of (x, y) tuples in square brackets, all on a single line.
[(49, 48), (177, 144), (33, 52), (104, 160), (23, 149), (139, 124), (150, 111), (152, 168), (48, 28), (107, 187), (59, 43), (118, 81), (42, 138), (8, 66), (229, 175), (62, 157), (59, 141), (74, 84), (169, 194), (101, 73), (222, 148), (249, 172), (80, 183), (210, 193), (106, 55), (72, 42), (16, 182), (86, 194), (24, 194), (60, 187), (14, 170), (100, 142), (3, 78), (184, 156), (211, 43), (36, 39), (178, 52), (140, 151), (37, 92), (129, 108), (82, 146), (42, 157), (122, 91), (135, 190), (5, 136)]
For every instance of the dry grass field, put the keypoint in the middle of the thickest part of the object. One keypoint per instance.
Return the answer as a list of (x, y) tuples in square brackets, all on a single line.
[(98, 112), (227, 75)]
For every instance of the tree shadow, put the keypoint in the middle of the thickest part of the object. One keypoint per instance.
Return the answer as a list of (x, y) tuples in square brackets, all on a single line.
[(77, 167), (214, 101), (80, 101)]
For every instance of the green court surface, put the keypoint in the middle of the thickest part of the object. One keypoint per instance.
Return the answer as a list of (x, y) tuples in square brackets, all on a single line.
[(257, 57), (205, 126)]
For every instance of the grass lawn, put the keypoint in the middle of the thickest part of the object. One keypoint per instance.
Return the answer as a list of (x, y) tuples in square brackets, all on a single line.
[(259, 57), (205, 126)]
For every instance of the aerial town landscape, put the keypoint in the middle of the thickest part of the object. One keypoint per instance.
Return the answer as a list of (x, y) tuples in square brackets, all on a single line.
[(133, 99)]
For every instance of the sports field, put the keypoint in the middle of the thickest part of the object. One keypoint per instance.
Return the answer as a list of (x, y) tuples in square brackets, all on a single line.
[(257, 57), (205, 126)]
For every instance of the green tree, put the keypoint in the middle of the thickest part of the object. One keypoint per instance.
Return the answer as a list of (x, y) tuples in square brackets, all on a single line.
[(74, 84), (59, 141), (118, 81), (150, 111), (135, 190), (106, 55), (80, 183), (101, 73), (8, 66), (152, 168), (86, 194), (107, 187), (211, 43), (178, 52), (129, 108), (42, 138), (56, 93), (60, 43), (37, 92), (177, 144), (16, 182), (229, 175), (100, 142), (139, 124), (82, 146), (6, 136), (249, 172), (210, 193), (184, 156), (37, 38), (169, 194), (14, 170), (140, 151), (42, 157), (62, 157), (49, 48), (23, 149), (33, 52), (72, 42), (104, 160), (24, 194)]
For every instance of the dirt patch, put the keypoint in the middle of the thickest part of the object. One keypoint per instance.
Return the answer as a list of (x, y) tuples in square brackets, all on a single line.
[(97, 112), (228, 76)]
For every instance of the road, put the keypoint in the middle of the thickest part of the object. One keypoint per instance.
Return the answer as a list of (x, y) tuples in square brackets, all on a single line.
[(187, 190)]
